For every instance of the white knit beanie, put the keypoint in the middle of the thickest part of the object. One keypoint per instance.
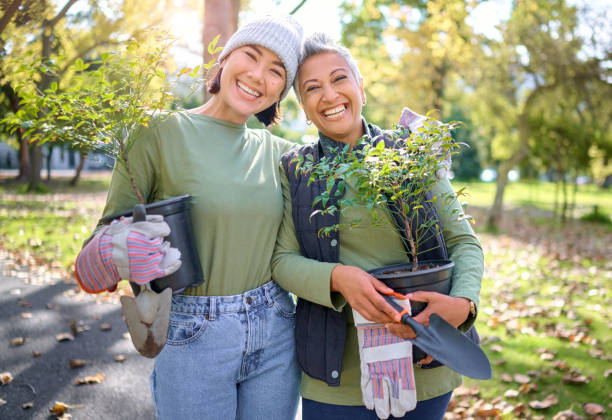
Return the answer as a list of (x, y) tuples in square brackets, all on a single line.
[(281, 34)]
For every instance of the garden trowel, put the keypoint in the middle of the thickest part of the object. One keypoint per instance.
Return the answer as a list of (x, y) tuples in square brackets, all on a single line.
[(447, 345), (148, 314)]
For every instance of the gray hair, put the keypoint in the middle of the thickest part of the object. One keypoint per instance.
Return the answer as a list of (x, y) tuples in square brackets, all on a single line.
[(320, 42)]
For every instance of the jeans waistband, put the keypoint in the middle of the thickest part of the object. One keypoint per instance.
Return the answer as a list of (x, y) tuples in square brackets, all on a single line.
[(211, 305)]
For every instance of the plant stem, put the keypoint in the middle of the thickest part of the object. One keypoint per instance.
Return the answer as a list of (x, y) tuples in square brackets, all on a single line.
[(129, 171), (410, 238)]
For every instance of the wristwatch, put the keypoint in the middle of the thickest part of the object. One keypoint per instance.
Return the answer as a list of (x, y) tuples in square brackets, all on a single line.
[(472, 308)]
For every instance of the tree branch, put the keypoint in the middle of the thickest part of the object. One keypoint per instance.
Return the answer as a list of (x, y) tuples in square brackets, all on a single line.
[(51, 23), (8, 15)]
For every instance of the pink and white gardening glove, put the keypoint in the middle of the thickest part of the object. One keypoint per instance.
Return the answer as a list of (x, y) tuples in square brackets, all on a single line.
[(128, 251), (413, 121), (387, 376)]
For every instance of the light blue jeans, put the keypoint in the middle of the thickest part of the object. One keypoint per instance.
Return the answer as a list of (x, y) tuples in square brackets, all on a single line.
[(229, 357)]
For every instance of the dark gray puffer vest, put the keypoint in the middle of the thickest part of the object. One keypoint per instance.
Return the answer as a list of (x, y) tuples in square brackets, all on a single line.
[(320, 332)]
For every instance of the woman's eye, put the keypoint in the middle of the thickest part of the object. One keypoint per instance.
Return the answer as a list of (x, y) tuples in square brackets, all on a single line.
[(277, 72), (339, 78), (311, 88), (251, 56)]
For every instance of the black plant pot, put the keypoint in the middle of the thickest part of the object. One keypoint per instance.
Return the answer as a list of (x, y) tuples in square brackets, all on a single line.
[(436, 277), (177, 214)]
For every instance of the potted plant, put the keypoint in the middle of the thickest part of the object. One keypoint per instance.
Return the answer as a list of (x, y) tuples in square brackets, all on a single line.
[(108, 102), (396, 172)]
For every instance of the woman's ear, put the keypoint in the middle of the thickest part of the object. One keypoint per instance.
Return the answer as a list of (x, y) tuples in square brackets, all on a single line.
[(362, 91)]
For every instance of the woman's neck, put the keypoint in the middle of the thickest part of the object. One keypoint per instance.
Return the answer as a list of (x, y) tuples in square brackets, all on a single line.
[(215, 108)]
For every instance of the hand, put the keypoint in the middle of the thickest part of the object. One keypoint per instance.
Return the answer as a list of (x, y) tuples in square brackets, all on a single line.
[(139, 252), (454, 310), (124, 250), (362, 292)]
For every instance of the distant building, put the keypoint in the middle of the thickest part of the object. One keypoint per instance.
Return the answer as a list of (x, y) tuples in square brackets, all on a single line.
[(61, 158)]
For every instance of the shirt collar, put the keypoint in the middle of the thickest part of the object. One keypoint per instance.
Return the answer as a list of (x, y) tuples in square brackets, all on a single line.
[(331, 147)]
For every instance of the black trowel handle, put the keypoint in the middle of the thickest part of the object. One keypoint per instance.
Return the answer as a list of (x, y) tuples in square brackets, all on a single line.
[(139, 214), (406, 317)]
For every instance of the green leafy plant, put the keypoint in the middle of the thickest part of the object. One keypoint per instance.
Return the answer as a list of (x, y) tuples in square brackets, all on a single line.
[(399, 170), (108, 101)]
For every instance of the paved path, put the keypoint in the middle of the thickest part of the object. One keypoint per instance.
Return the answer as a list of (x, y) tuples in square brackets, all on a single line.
[(38, 309)]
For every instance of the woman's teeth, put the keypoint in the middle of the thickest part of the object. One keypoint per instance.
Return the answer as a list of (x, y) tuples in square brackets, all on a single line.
[(334, 112), (248, 90)]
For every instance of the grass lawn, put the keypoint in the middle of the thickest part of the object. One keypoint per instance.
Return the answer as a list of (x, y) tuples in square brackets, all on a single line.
[(545, 314), (536, 194)]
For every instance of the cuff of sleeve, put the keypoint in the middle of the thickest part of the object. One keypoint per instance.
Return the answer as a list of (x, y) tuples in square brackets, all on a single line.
[(467, 324), (320, 288)]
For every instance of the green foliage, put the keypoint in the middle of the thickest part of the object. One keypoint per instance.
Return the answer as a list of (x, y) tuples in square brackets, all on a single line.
[(397, 170)]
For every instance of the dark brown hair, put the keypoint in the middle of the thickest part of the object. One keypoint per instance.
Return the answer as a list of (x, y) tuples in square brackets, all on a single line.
[(268, 116)]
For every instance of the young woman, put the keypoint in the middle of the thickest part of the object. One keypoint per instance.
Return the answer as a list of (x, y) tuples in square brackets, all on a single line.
[(329, 275), (230, 351)]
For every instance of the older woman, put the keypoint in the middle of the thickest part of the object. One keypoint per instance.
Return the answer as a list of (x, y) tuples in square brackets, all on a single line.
[(230, 351), (329, 274)]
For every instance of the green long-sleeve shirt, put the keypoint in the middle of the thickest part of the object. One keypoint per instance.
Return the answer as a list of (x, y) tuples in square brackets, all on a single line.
[(369, 248), (233, 175)]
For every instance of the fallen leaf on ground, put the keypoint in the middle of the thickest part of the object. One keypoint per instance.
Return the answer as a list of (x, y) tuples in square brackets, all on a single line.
[(64, 337), (527, 388), (18, 341), (119, 358), (96, 379), (575, 379), (105, 327), (567, 415), (27, 405), (522, 379), (77, 363), (545, 403), (26, 315), (5, 378), (36, 353), (511, 393), (2, 402), (593, 409)]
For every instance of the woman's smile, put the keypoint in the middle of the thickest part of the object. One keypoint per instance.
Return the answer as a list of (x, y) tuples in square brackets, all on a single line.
[(250, 93)]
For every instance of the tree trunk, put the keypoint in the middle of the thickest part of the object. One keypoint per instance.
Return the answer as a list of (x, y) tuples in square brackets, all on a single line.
[(220, 18), (49, 155), (79, 169), (565, 198), (35, 167), (495, 213), (24, 158)]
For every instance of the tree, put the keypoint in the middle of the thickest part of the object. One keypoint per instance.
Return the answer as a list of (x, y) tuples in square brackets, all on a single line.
[(54, 35), (220, 19), (541, 51)]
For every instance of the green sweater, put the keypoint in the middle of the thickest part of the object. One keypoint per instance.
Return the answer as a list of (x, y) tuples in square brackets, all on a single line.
[(233, 175), (369, 248)]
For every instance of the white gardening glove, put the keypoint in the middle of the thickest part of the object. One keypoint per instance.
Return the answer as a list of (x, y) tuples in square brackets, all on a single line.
[(129, 251), (387, 376), (139, 251), (413, 121)]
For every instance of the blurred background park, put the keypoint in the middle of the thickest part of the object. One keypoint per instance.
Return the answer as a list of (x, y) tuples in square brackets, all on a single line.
[(531, 80)]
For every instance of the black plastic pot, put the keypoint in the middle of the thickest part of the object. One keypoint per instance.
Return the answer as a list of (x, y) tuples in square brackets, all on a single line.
[(437, 278), (177, 214)]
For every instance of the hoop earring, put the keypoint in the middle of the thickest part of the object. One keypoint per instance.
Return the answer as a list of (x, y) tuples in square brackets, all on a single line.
[(308, 122)]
